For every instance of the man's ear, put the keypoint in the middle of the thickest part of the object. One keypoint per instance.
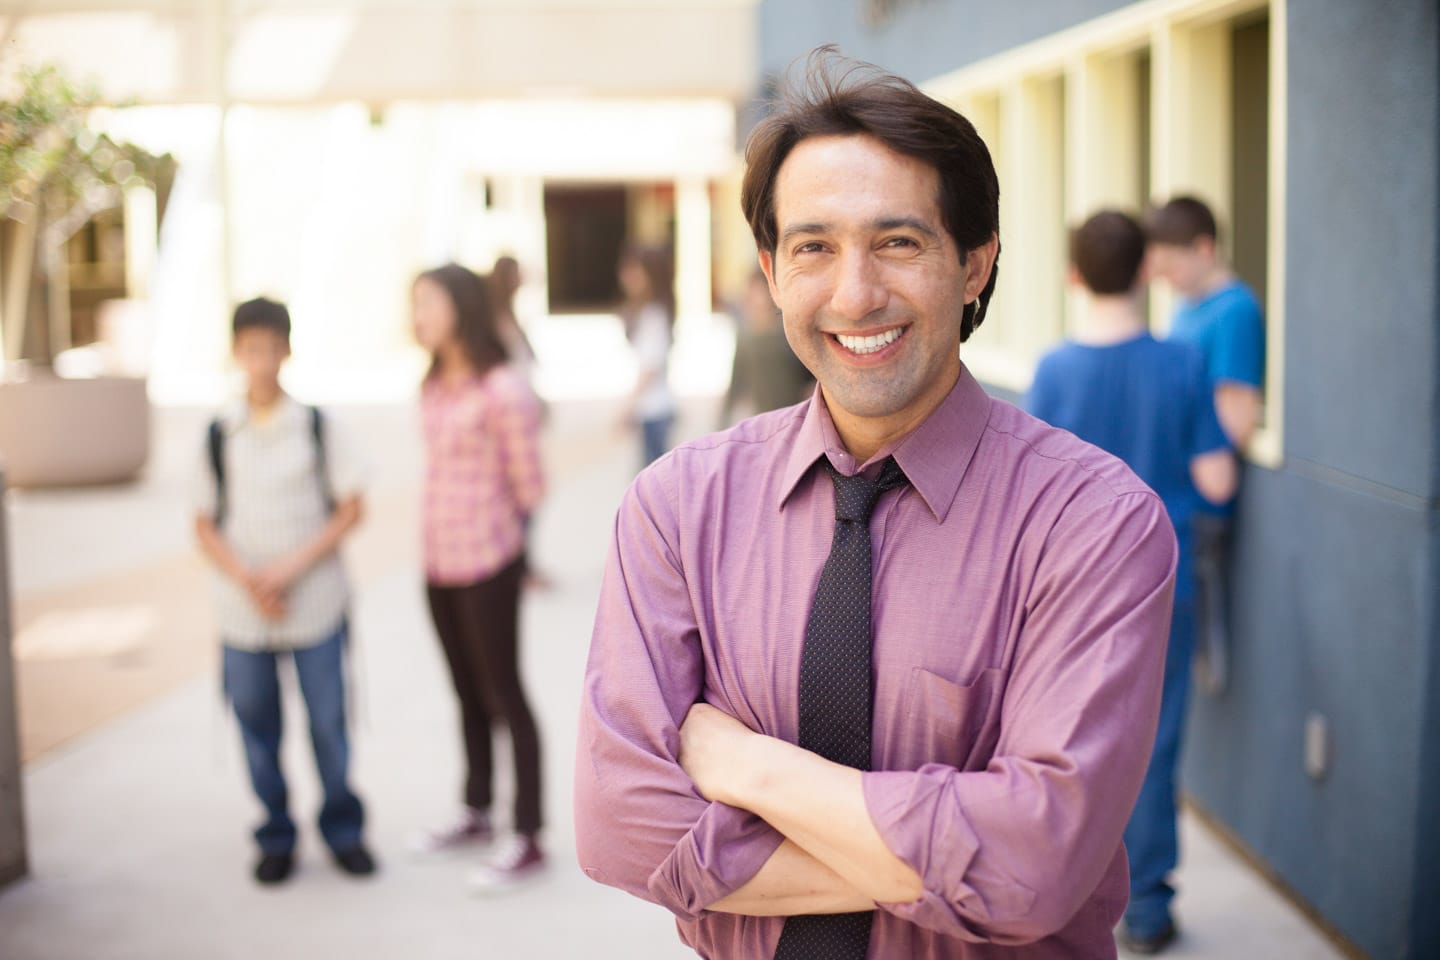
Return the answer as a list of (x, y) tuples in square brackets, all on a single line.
[(1072, 276), (767, 266), (978, 264)]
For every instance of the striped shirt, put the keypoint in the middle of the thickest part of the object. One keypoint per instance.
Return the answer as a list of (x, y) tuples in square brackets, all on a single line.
[(483, 476), (274, 503)]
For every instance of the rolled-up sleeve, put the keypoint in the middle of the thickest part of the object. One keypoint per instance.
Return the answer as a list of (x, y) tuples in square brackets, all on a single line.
[(1008, 854), (640, 824)]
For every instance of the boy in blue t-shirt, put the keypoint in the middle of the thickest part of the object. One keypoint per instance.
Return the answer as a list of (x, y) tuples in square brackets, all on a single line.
[(1219, 315), (1149, 403)]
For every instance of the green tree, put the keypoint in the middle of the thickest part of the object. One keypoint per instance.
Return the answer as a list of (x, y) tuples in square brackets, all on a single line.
[(56, 173)]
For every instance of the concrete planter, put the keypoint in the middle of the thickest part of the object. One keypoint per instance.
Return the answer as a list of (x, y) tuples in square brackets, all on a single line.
[(56, 431)]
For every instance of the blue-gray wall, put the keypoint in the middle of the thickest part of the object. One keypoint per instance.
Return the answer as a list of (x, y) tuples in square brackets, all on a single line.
[(925, 38), (1336, 600), (1337, 605)]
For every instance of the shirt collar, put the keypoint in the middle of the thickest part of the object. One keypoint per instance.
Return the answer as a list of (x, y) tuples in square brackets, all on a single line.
[(934, 456), (236, 414)]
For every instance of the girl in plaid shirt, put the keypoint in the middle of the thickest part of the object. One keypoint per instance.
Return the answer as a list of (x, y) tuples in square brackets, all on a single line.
[(483, 479)]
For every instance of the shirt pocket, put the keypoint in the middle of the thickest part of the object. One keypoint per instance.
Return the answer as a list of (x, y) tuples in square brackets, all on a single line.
[(961, 721)]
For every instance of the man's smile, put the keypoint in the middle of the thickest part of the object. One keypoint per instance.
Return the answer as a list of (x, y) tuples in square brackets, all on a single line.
[(871, 344)]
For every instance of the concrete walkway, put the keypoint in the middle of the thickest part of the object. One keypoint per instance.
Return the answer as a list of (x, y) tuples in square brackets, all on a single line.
[(138, 827)]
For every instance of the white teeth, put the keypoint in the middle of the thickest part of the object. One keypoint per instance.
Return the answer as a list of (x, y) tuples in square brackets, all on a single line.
[(869, 344)]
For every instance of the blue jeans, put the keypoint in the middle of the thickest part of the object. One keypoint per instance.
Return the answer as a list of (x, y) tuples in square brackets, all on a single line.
[(655, 435), (253, 687), (1150, 837)]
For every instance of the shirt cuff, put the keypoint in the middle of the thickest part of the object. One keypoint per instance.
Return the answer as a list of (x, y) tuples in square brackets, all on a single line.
[(920, 819), (719, 855)]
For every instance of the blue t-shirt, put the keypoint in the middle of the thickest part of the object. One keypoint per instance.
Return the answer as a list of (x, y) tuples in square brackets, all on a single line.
[(1148, 402), (1228, 328)]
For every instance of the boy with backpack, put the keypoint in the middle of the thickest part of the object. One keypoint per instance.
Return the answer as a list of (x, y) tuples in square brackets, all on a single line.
[(1149, 403), (276, 497)]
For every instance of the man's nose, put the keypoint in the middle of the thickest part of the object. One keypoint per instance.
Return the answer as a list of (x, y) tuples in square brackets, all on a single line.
[(859, 286)]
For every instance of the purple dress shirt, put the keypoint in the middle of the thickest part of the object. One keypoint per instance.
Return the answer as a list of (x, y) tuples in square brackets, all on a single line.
[(1022, 594)]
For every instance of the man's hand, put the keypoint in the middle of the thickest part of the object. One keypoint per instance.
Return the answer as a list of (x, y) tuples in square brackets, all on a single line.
[(711, 747), (818, 805)]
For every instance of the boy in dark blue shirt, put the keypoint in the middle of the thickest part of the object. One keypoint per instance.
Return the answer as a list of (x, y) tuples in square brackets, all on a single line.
[(1150, 404)]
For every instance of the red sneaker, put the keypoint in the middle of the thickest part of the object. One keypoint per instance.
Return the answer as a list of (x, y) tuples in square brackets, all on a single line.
[(470, 827), (515, 864)]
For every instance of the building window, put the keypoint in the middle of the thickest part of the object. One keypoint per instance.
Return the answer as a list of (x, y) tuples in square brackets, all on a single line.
[(1146, 103)]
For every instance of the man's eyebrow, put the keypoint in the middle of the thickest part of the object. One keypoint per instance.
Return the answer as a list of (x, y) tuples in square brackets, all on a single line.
[(914, 223), (797, 229)]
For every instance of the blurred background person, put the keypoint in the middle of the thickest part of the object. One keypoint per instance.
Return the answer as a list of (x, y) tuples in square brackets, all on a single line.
[(1149, 403), (1221, 317), (766, 374), (504, 283), (1217, 314), (274, 498), (483, 479), (647, 283)]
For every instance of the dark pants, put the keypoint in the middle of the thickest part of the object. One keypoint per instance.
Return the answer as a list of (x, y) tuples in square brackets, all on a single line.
[(655, 438), (477, 625), (1213, 536), (1151, 842), (252, 684)]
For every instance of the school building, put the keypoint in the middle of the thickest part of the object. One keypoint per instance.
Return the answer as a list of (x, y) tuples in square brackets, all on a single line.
[(1312, 126), (329, 150)]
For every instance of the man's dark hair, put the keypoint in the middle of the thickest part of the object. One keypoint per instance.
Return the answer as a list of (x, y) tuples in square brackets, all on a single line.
[(475, 325), (261, 314), (1107, 251), (1180, 222), (838, 96)]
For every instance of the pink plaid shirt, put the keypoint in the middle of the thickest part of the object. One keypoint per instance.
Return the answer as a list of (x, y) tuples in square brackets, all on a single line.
[(483, 474)]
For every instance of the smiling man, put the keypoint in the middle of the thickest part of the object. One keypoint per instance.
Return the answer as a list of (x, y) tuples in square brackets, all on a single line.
[(876, 675)]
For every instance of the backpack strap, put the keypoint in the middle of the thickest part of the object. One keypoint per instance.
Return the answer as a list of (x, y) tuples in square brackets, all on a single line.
[(216, 444), (322, 465)]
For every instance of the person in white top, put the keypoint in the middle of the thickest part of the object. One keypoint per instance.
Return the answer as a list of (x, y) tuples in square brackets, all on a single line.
[(276, 490), (648, 311)]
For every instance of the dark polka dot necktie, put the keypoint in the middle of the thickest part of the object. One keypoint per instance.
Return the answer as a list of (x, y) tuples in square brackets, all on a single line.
[(835, 694)]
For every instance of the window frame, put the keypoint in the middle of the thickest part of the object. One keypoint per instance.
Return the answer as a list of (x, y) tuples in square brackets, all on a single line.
[(1189, 128)]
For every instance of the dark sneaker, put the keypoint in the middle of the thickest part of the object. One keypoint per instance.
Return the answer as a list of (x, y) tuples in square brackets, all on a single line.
[(274, 868), (1150, 944), (356, 861), (514, 865)]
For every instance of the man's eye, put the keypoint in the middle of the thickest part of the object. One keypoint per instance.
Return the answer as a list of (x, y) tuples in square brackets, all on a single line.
[(900, 242), (811, 247)]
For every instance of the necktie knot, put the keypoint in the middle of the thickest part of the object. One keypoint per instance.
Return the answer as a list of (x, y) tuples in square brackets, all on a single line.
[(855, 497)]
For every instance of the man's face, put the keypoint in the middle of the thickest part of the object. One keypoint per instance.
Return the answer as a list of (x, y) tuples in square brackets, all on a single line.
[(260, 352), (1183, 267), (870, 283)]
